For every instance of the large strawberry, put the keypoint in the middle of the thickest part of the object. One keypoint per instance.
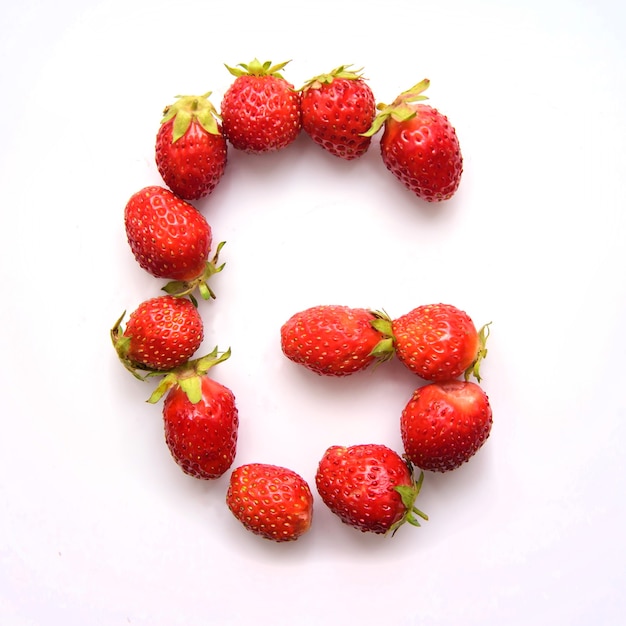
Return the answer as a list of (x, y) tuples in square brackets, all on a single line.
[(435, 341), (445, 424), (200, 418), (191, 151), (337, 108), (370, 487), (161, 334), (271, 501), (171, 239), (419, 146), (260, 110), (331, 340)]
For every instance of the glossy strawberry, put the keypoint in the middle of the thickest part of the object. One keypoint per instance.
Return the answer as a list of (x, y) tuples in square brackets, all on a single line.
[(271, 501), (171, 239), (331, 340), (419, 146), (191, 151), (445, 424), (161, 334), (369, 487), (437, 342), (337, 108), (260, 110), (200, 418)]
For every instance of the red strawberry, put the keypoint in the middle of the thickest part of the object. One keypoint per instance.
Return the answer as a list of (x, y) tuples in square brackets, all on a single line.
[(337, 108), (191, 151), (437, 342), (200, 418), (370, 487), (161, 334), (171, 239), (260, 109), (445, 424), (419, 146), (331, 340), (270, 501)]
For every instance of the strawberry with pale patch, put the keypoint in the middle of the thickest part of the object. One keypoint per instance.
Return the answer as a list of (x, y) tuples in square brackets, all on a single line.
[(337, 108), (161, 334), (260, 110), (419, 145), (369, 487), (171, 239), (331, 340), (191, 151), (270, 501), (445, 424)]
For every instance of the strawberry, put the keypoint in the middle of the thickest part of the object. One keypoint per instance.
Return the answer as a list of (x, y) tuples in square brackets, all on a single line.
[(191, 151), (419, 146), (369, 487), (331, 340), (161, 334), (260, 109), (271, 501), (337, 108), (445, 424), (436, 341), (200, 418), (171, 239)]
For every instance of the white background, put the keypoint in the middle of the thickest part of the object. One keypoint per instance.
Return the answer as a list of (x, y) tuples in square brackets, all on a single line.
[(100, 527)]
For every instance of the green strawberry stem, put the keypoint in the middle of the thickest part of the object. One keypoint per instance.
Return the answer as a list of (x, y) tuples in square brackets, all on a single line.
[(121, 345), (189, 108), (400, 109), (256, 68), (325, 79), (385, 349), (474, 368), (182, 288), (189, 376), (409, 494)]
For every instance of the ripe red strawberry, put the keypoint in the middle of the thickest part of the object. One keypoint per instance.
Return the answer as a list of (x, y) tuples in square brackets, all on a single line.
[(437, 342), (331, 340), (191, 151), (260, 109), (200, 418), (445, 424), (171, 239), (161, 334), (370, 487), (337, 108), (419, 146), (271, 501)]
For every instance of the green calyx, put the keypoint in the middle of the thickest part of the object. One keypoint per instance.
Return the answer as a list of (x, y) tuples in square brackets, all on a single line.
[(189, 108), (122, 345), (189, 376), (325, 79), (183, 288), (408, 494), (256, 68), (385, 349), (474, 368), (400, 109)]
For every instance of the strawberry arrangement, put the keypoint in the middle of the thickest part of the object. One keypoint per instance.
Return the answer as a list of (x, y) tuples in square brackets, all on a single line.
[(448, 418)]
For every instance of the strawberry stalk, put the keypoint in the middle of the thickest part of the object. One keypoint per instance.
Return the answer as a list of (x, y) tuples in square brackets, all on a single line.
[(408, 494), (182, 288), (326, 79), (474, 368), (188, 108)]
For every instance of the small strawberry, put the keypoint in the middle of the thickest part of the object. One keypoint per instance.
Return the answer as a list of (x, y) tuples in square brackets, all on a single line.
[(370, 487), (260, 110), (436, 341), (337, 108), (200, 418), (191, 151), (331, 340), (271, 501), (171, 239), (161, 334), (419, 146), (445, 424)]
